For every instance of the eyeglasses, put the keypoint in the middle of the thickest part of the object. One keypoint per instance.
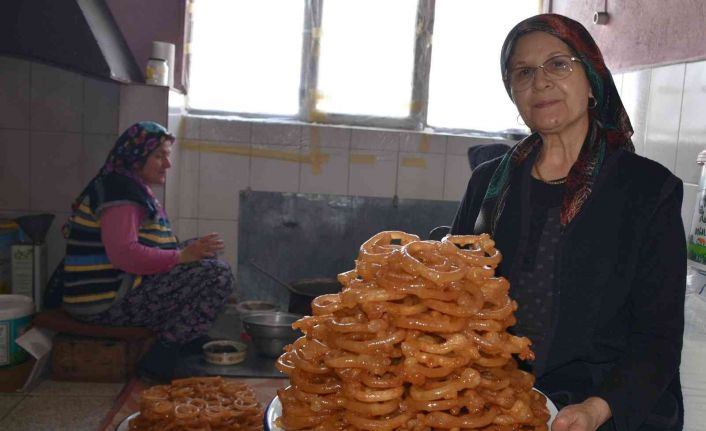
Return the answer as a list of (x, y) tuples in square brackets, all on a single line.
[(556, 68)]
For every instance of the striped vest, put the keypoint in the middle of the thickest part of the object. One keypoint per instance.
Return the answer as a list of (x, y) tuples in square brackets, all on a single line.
[(91, 283)]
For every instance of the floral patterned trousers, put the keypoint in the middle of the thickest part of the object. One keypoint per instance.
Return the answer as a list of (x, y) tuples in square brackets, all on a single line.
[(179, 305)]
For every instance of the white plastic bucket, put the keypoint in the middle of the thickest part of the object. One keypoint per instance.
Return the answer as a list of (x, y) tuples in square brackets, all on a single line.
[(15, 316)]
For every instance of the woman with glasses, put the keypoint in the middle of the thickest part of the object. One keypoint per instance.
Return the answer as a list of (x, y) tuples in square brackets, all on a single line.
[(591, 234)]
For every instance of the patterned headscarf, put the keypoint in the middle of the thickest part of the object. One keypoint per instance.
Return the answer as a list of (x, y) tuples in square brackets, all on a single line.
[(609, 128), (131, 150)]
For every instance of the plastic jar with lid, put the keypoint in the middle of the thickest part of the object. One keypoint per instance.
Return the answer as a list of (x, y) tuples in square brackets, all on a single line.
[(157, 72)]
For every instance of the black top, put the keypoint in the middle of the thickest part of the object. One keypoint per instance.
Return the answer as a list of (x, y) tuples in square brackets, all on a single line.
[(617, 318), (534, 289)]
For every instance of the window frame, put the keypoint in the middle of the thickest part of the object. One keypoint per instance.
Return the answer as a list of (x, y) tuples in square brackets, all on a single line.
[(416, 120)]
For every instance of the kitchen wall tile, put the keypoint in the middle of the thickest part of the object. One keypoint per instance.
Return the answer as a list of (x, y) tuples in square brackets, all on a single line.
[(456, 177), (176, 102), (692, 128), (171, 188), (191, 128), (378, 140), (213, 129), (271, 174), (94, 151), (14, 93), (635, 95), (330, 177), (221, 177), (688, 204), (15, 171), (187, 228), (663, 114), (422, 143), (189, 183), (421, 176), (228, 232), (175, 124), (142, 103), (373, 173), (55, 163), (276, 134), (459, 144), (56, 99), (101, 106), (326, 136)]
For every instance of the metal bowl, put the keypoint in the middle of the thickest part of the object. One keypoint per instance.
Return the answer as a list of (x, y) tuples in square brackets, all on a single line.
[(224, 352), (249, 307), (270, 332)]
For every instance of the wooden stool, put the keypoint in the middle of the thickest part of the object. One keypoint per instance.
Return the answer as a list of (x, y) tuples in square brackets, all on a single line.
[(93, 353)]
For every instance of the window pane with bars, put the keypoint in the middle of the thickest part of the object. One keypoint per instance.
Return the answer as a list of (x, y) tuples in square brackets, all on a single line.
[(246, 56), (366, 57), (465, 87)]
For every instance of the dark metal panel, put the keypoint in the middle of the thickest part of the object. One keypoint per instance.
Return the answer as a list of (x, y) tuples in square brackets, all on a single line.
[(295, 235)]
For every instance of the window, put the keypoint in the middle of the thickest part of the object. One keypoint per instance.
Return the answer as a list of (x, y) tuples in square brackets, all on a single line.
[(365, 62), (465, 87), (246, 56), (368, 70)]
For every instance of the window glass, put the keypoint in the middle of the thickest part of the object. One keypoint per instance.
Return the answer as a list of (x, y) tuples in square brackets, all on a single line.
[(465, 87), (246, 56), (366, 61)]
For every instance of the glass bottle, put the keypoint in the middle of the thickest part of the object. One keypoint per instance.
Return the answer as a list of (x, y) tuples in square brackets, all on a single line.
[(157, 72)]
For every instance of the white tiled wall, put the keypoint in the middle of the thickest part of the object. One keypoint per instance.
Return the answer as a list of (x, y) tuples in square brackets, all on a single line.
[(692, 127), (56, 170), (635, 94), (56, 128), (219, 176), (663, 113), (14, 88), (666, 106), (331, 160), (272, 174), (330, 177)]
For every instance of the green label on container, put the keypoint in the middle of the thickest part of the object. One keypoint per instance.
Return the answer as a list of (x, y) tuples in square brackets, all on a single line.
[(697, 238), (10, 330)]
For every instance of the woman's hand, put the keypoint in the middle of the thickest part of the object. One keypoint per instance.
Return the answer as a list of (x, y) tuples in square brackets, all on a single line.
[(206, 246), (585, 416)]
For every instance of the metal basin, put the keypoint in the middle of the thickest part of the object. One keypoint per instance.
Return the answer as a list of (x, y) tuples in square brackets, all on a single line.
[(302, 292), (270, 332), (248, 307)]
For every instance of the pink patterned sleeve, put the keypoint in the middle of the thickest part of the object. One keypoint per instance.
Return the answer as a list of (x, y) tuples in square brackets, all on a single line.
[(119, 227)]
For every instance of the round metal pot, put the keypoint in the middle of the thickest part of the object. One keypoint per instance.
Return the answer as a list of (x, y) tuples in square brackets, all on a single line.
[(302, 292), (270, 332)]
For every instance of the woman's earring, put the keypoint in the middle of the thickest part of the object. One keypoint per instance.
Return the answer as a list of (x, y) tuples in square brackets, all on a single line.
[(519, 120), (592, 102)]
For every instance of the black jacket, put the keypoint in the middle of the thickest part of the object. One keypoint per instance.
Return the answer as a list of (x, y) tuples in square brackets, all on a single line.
[(619, 287)]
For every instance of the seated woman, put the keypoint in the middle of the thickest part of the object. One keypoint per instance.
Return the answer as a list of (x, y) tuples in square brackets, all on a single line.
[(123, 265)]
